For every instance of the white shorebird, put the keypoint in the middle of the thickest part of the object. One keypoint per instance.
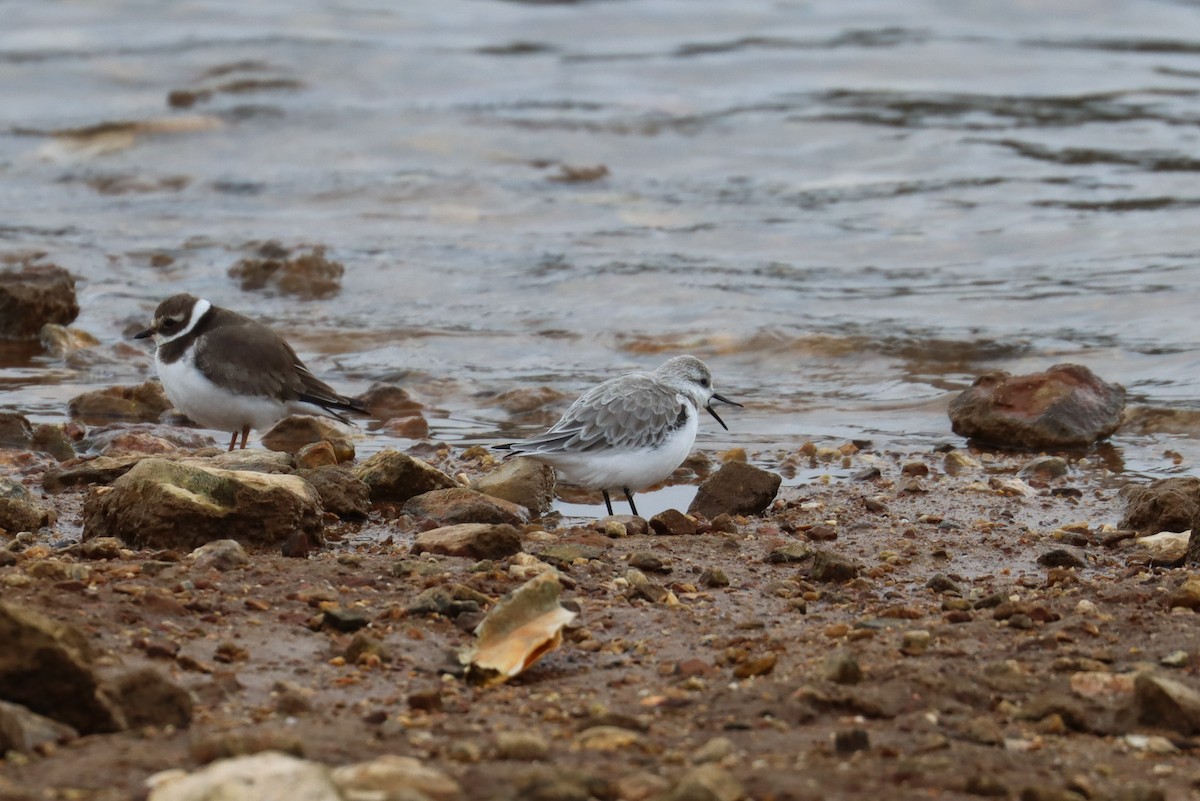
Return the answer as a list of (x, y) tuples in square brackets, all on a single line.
[(231, 373), (630, 431)]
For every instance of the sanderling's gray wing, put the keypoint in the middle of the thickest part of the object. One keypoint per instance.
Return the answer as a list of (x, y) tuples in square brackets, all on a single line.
[(629, 412)]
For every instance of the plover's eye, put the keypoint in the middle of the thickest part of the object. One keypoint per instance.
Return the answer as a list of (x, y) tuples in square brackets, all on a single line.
[(704, 381)]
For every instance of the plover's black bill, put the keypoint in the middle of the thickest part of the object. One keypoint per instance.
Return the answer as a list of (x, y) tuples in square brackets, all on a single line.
[(143, 334), (713, 412)]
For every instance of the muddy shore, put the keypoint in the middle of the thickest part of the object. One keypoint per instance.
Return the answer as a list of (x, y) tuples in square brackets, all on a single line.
[(908, 632)]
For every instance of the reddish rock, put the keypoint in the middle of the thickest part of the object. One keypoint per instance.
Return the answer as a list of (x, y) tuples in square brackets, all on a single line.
[(144, 403), (461, 505), (673, 522), (32, 296), (308, 275), (736, 489), (1067, 406), (342, 493), (473, 540), (294, 432), (386, 401)]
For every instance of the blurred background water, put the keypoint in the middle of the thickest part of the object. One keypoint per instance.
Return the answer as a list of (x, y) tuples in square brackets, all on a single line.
[(849, 209)]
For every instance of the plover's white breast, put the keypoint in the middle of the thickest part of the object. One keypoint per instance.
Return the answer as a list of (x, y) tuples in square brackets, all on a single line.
[(211, 405)]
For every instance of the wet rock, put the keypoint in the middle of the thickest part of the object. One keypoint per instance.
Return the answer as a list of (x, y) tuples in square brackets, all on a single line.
[(648, 562), (24, 731), (606, 738), (673, 522), (522, 745), (308, 275), (1045, 468), (219, 555), (395, 778), (472, 540), (461, 505), (295, 431), (707, 783), (987, 786), (1163, 548), (148, 698), (54, 440), (915, 469), (162, 504), (386, 402), (1061, 557), (316, 454), (915, 642), (831, 566), (15, 431), (1169, 504), (340, 618), (521, 481), (32, 296), (942, 584), (62, 342), (101, 548), (842, 668), (1167, 703), (143, 403), (643, 587), (19, 510), (102, 470), (449, 601), (266, 776), (756, 665), (48, 667), (791, 553), (557, 783), (1187, 596), (565, 554), (958, 462), (144, 438), (737, 489), (395, 477), (618, 526), (1067, 406), (251, 460), (713, 578), (851, 740), (715, 750), (342, 492)]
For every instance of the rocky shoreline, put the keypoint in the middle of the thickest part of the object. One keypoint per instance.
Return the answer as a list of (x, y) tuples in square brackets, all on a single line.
[(966, 623)]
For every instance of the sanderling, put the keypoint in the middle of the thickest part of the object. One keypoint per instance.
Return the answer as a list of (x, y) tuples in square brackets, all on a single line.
[(630, 431), (231, 373)]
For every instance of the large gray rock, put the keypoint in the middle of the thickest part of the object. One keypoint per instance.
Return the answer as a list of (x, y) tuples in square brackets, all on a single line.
[(143, 403), (394, 477), (32, 296), (736, 489), (48, 667), (148, 698), (164, 504), (521, 481), (19, 510), (102, 471), (1067, 406), (461, 505)]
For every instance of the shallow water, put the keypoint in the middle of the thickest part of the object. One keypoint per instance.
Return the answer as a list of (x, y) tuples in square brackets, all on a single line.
[(849, 209)]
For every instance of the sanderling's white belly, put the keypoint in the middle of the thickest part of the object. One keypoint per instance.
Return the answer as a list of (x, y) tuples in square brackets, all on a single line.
[(617, 469)]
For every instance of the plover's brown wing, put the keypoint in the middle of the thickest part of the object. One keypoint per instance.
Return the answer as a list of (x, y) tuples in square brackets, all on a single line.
[(628, 412), (247, 358)]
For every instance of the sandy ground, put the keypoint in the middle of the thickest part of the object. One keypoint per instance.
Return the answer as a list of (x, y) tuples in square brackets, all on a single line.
[(953, 664)]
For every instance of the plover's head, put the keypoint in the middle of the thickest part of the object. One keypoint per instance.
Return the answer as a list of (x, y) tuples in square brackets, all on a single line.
[(174, 317), (689, 375)]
